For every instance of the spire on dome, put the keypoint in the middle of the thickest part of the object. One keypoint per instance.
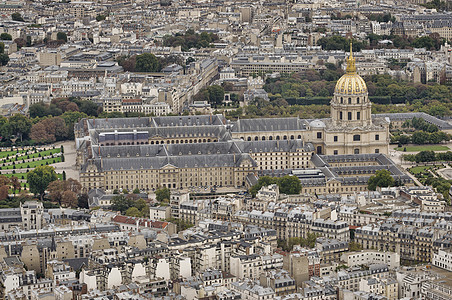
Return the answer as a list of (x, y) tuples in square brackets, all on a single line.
[(351, 67)]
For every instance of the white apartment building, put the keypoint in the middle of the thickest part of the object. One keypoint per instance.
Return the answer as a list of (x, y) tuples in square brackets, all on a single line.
[(392, 259), (159, 213), (443, 259)]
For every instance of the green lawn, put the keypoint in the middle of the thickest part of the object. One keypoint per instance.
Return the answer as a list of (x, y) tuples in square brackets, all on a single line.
[(420, 169), (32, 164), (9, 153), (34, 155), (423, 148)]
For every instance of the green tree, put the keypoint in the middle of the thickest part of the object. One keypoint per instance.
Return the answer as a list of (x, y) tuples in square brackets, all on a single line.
[(39, 179), (354, 246), (100, 18), (289, 185), (133, 212), (136, 191), (420, 137), (6, 37), (382, 178), (425, 156), (162, 194), (4, 59), (82, 201), (17, 17), (20, 125), (121, 203), (62, 36), (216, 94), (147, 62)]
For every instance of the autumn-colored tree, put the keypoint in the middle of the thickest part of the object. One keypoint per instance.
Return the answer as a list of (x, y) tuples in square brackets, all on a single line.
[(72, 107), (49, 130), (69, 199), (43, 131), (15, 184), (4, 180), (58, 191), (3, 192)]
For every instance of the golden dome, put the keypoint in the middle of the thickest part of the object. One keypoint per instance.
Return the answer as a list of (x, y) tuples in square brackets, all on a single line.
[(351, 83)]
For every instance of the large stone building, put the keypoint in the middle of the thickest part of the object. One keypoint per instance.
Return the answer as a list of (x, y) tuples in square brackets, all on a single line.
[(181, 152)]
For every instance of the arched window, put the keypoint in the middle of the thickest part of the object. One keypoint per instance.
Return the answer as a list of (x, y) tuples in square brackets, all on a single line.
[(256, 138), (357, 100), (342, 100), (319, 149), (270, 138), (349, 100), (263, 138)]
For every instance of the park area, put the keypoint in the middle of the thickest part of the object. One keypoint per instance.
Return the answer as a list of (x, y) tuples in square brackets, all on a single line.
[(423, 148), (18, 162)]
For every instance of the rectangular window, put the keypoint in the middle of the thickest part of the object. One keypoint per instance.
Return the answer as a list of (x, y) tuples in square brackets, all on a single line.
[(335, 152), (358, 116), (335, 138), (340, 115), (377, 150), (356, 137), (319, 135), (377, 137), (349, 116)]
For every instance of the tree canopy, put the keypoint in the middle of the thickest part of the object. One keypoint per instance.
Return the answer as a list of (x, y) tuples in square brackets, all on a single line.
[(382, 178), (289, 185), (189, 40), (163, 194), (147, 62), (40, 178)]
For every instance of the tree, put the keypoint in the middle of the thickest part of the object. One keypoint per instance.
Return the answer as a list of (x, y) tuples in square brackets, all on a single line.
[(3, 192), (121, 203), (133, 212), (4, 59), (20, 42), (62, 36), (15, 184), (20, 125), (420, 137), (136, 191), (382, 178), (425, 156), (17, 17), (100, 18), (83, 201), (6, 37), (162, 194), (147, 62), (89, 107), (216, 94), (354, 246), (69, 199), (40, 178), (289, 185)]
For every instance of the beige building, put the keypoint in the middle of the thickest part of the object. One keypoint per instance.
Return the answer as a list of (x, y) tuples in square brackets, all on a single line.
[(181, 152)]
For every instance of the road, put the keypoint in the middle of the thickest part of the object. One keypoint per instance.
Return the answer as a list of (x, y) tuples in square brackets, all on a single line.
[(69, 160)]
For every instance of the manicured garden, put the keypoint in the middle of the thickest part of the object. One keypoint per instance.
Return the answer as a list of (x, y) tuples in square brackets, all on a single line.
[(423, 148)]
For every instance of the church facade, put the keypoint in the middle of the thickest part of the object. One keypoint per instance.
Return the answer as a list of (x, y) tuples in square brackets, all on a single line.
[(351, 129)]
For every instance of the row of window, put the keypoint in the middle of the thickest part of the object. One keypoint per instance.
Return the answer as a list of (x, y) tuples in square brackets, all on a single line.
[(350, 116), (356, 151)]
